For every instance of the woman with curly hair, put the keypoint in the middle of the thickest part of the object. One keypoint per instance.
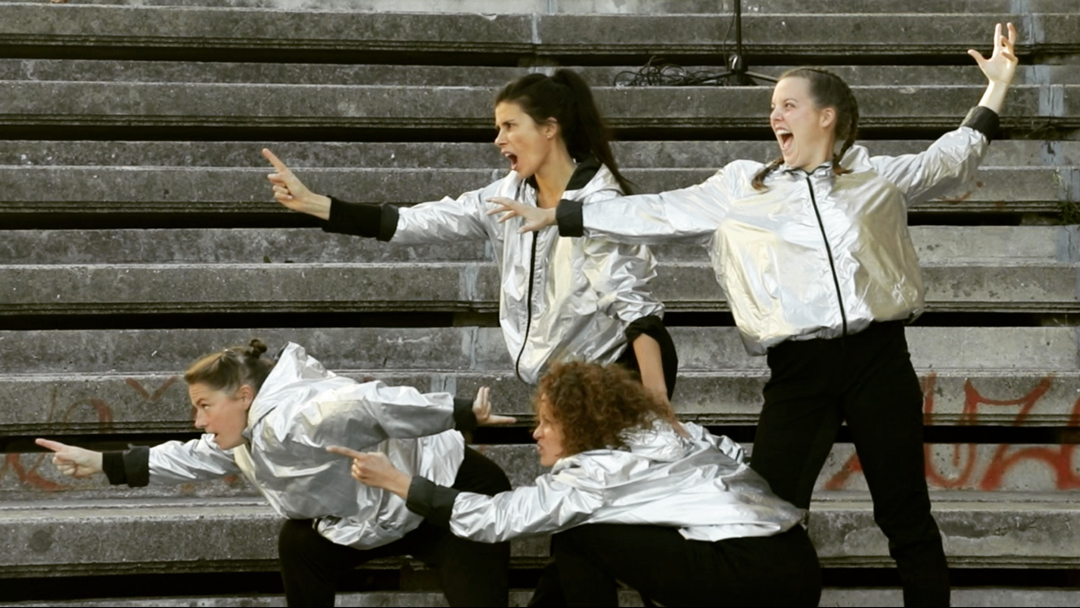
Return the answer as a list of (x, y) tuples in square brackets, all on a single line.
[(633, 496)]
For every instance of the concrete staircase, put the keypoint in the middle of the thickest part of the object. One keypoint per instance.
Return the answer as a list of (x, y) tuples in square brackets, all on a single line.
[(137, 233)]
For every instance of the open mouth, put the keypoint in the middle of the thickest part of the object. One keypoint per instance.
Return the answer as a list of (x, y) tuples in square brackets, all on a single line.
[(513, 160), (785, 138)]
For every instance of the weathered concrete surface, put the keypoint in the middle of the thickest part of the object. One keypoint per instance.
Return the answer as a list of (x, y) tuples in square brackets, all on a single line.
[(55, 70), (200, 535), (791, 34), (390, 350), (234, 190), (132, 402), (1021, 471), (306, 156), (936, 245), (975, 597), (464, 287), (631, 7), (204, 105)]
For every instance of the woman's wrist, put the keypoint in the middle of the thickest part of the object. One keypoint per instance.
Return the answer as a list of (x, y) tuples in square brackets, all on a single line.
[(994, 96), (399, 484), (318, 205)]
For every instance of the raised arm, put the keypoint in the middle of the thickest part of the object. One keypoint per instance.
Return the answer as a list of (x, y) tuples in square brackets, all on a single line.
[(952, 160), (692, 213), (446, 220)]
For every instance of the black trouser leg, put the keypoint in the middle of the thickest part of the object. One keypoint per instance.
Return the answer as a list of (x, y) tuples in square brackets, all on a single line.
[(884, 413), (799, 420), (472, 574), (868, 380), (779, 570), (311, 566)]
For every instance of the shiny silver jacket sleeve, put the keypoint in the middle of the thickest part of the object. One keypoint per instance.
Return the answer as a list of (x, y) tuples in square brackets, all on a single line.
[(949, 163), (620, 274), (550, 505), (691, 213), (446, 220), (200, 459), (373, 413)]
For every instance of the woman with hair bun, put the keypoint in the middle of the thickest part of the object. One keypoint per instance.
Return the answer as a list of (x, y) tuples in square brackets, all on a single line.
[(582, 298), (678, 516), (814, 255), (272, 422)]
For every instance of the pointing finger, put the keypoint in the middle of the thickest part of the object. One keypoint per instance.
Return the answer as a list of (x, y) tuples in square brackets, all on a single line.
[(274, 160), (344, 451), (55, 446)]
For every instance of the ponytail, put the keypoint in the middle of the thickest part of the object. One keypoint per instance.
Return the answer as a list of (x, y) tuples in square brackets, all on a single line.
[(566, 97)]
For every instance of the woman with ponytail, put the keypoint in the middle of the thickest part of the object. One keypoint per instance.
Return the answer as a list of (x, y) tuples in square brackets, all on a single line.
[(560, 298), (272, 422), (814, 255)]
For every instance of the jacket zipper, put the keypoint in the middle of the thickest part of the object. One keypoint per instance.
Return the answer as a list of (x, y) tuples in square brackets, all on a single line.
[(828, 250), (528, 320)]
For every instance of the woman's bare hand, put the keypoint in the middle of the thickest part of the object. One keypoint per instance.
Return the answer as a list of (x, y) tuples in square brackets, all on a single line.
[(376, 470), (535, 217), (1001, 66), (291, 192), (482, 410), (72, 461)]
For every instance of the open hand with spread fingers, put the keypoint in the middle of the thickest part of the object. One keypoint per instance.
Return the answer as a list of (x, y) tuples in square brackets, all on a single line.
[(71, 460), (291, 192), (535, 217), (376, 470), (1001, 66), (482, 410)]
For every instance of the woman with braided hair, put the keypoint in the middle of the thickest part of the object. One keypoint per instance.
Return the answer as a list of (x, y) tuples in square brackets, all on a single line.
[(814, 254)]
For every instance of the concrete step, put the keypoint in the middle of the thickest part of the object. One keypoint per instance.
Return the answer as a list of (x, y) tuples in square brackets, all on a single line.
[(953, 472), (1046, 287), (306, 156), (623, 7), (98, 382), (199, 535), (214, 106), (200, 190), (792, 35), (88, 70), (835, 596), (936, 245)]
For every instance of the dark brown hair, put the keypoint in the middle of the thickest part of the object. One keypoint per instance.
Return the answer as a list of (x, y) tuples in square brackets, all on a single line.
[(595, 403), (566, 97), (229, 369), (828, 91)]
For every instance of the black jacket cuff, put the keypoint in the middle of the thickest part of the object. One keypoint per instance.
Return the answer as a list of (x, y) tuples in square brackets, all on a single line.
[(983, 120), (464, 418), (361, 219), (568, 217), (433, 502), (131, 467)]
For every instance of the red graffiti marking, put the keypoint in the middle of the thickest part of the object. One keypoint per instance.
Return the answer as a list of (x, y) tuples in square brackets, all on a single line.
[(1058, 458), (28, 475)]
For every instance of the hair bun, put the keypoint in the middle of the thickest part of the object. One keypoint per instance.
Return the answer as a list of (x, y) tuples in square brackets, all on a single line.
[(255, 348)]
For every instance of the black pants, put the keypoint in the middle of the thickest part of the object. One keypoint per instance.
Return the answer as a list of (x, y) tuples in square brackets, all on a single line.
[(779, 570), (471, 573), (867, 380)]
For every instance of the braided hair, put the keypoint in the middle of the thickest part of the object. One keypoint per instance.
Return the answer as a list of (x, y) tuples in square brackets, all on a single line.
[(828, 91), (566, 97), (229, 369)]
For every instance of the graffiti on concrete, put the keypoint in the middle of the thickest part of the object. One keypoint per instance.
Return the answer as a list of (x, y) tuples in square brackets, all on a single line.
[(1005, 457), (27, 472)]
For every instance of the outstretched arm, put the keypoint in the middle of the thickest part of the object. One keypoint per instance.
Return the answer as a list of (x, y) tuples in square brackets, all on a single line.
[(71, 460)]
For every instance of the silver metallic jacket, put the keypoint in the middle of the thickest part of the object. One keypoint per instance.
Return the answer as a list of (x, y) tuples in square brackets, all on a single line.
[(699, 484), (814, 255), (559, 297), (300, 410)]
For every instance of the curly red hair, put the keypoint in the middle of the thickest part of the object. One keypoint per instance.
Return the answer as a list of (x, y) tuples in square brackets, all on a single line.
[(595, 403)]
